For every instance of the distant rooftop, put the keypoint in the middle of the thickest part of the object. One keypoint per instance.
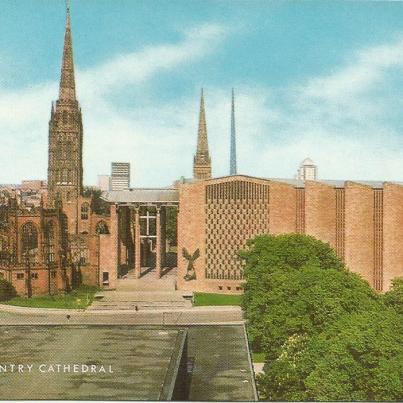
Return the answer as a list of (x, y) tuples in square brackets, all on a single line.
[(330, 182), (307, 161), (335, 183), (170, 195)]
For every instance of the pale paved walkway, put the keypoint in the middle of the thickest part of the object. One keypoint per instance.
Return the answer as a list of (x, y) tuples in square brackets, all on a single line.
[(145, 301), (10, 315)]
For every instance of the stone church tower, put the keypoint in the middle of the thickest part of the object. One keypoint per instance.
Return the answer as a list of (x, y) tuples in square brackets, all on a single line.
[(202, 160), (65, 167)]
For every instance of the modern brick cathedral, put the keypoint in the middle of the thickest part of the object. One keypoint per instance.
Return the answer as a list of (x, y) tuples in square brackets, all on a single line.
[(67, 241)]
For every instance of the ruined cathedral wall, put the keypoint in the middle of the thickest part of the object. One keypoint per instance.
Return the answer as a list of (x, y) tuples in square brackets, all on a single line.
[(102, 250), (108, 251)]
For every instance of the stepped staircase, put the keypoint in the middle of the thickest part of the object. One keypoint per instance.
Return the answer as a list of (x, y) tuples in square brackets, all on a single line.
[(145, 293)]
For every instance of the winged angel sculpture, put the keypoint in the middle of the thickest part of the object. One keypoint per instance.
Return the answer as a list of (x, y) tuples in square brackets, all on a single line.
[(190, 271)]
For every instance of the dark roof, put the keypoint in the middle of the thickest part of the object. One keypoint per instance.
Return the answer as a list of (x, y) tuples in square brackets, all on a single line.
[(140, 360), (144, 360), (143, 195)]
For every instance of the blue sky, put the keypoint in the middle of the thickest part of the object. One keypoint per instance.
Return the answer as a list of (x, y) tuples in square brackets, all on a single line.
[(317, 79)]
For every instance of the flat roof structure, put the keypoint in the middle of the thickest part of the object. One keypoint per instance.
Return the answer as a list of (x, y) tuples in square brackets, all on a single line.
[(139, 364), (164, 196), (210, 362), (222, 364)]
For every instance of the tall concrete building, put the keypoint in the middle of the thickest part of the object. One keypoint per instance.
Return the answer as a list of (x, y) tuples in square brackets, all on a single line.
[(307, 171), (120, 176)]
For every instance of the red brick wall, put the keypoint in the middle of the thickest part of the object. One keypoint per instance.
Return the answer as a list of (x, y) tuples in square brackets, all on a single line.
[(320, 212), (282, 208), (239, 219), (191, 231), (359, 230), (392, 233)]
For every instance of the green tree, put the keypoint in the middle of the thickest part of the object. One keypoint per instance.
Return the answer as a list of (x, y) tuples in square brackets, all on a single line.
[(394, 297), (98, 205), (172, 225), (322, 329), (293, 251), (358, 357), (7, 291), (272, 283), (302, 303)]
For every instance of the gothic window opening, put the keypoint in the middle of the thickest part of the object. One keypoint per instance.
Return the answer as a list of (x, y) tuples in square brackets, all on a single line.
[(50, 242), (101, 228), (83, 256), (29, 241), (64, 175), (3, 251), (85, 208)]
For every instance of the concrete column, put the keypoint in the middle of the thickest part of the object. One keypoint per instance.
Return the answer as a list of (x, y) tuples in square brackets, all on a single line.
[(158, 244), (137, 246)]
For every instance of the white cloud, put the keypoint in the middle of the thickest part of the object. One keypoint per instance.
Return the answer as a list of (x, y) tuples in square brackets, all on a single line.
[(139, 66), (340, 120), (109, 134), (367, 69)]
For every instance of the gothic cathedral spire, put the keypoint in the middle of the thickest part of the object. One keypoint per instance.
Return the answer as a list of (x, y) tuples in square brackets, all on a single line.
[(233, 165), (202, 160), (67, 83), (65, 168)]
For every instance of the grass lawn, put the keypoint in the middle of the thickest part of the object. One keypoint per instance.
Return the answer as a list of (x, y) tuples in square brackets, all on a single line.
[(204, 299), (258, 357), (79, 298)]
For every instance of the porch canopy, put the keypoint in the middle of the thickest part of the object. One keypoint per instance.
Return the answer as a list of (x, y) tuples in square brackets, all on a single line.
[(143, 197), (133, 200)]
